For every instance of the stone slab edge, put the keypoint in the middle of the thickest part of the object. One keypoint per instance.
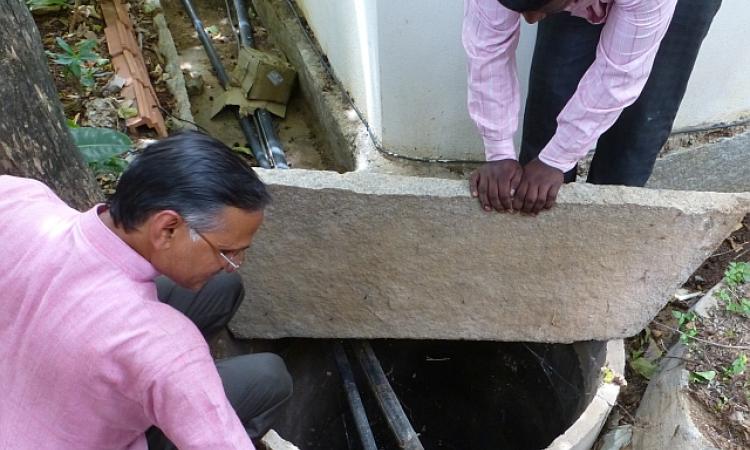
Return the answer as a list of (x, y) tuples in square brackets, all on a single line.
[(368, 183), (584, 431), (664, 413)]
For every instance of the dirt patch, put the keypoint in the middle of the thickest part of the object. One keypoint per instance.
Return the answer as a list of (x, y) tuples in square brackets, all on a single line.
[(302, 147), (734, 248), (717, 359)]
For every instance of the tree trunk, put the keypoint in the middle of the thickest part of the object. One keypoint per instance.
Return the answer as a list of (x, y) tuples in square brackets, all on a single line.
[(34, 138)]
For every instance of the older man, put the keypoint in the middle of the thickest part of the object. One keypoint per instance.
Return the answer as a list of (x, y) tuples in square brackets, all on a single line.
[(91, 359), (605, 73)]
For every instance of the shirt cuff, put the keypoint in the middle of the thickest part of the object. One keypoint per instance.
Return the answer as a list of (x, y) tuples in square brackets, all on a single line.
[(555, 156), (499, 150)]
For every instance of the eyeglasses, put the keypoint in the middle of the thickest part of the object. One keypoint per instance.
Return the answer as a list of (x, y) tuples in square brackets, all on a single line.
[(228, 259)]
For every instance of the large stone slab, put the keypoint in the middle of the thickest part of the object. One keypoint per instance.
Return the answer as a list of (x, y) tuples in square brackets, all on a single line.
[(723, 166), (369, 255)]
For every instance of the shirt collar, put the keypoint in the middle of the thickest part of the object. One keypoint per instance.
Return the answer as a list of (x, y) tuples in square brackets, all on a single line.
[(114, 249)]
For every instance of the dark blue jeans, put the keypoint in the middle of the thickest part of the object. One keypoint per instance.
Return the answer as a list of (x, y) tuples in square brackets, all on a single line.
[(625, 154)]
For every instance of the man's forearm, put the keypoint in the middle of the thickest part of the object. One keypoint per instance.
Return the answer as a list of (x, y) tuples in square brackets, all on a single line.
[(625, 56), (490, 37)]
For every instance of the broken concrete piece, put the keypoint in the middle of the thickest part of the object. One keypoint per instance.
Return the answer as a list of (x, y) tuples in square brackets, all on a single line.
[(272, 441), (364, 255)]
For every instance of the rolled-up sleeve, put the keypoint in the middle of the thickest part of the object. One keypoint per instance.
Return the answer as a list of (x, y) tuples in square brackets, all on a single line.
[(624, 58), (490, 37)]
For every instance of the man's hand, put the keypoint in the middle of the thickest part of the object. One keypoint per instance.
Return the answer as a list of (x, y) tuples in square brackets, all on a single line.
[(538, 188), (494, 183)]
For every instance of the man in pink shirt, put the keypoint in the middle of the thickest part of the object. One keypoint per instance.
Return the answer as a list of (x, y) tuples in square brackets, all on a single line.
[(93, 354), (608, 74)]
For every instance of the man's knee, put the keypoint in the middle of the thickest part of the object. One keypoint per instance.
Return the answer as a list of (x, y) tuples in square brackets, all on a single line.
[(255, 383)]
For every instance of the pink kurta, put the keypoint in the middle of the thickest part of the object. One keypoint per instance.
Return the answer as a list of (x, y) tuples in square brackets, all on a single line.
[(632, 32), (89, 358)]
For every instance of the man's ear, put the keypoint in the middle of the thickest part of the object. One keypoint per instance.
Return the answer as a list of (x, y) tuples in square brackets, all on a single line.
[(162, 228)]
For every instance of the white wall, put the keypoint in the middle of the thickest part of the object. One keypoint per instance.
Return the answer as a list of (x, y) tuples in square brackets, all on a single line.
[(347, 31), (403, 63), (719, 87)]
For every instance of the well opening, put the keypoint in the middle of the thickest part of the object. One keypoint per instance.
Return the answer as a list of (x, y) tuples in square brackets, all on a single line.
[(456, 394)]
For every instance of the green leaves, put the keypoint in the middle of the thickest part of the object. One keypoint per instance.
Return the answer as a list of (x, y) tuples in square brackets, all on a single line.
[(687, 324), (35, 5), (737, 367), (101, 147), (643, 367), (80, 60), (702, 377), (737, 273), (100, 144)]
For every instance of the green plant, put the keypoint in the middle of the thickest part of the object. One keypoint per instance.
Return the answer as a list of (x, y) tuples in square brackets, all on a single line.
[(36, 5), (81, 60), (737, 273), (687, 324), (702, 377), (102, 148), (737, 367)]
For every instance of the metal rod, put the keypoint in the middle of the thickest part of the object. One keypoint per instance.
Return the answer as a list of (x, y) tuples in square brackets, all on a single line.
[(387, 400), (221, 74), (246, 31), (268, 137), (355, 401), (263, 119), (246, 124)]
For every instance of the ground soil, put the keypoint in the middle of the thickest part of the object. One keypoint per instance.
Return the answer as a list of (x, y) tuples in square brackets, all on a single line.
[(297, 131), (721, 407)]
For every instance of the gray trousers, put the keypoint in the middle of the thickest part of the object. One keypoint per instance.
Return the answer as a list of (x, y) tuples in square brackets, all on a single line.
[(257, 385)]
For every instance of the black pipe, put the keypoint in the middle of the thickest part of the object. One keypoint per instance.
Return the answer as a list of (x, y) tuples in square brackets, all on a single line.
[(221, 74), (248, 128), (263, 119), (387, 400), (251, 135), (355, 401), (268, 137), (246, 31)]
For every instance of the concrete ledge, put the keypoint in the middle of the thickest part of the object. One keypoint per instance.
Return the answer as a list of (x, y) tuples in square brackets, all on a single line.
[(366, 255), (584, 431)]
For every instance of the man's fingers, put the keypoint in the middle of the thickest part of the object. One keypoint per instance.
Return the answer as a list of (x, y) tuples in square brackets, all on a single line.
[(552, 197), (512, 187), (541, 199), (482, 192), (519, 195), (493, 195), (506, 196), (473, 182), (530, 199)]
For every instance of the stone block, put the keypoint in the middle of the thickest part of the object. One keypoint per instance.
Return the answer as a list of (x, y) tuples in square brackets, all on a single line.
[(364, 255)]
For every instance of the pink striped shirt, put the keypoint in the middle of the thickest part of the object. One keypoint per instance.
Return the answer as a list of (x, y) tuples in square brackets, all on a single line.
[(89, 358), (624, 57)]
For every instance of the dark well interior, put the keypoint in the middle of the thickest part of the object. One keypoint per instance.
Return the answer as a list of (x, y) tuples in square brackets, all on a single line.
[(457, 394)]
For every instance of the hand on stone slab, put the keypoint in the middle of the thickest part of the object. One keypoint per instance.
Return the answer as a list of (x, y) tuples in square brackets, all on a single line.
[(494, 184), (538, 188)]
